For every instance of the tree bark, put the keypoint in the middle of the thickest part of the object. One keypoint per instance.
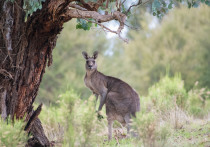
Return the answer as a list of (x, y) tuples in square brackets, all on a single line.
[(25, 49)]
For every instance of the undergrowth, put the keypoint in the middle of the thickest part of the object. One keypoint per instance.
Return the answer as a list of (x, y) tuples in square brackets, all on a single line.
[(167, 112), (12, 134)]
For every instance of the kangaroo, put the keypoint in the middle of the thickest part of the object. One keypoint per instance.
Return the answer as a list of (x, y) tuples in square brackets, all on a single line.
[(120, 99)]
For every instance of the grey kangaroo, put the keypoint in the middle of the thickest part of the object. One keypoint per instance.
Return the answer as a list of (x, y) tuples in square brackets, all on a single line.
[(120, 99)]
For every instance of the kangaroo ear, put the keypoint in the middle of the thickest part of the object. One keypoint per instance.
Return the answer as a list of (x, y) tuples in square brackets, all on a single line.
[(85, 55), (95, 54)]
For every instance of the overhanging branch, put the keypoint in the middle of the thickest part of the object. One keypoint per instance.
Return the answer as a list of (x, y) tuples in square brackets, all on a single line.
[(99, 18), (134, 5), (76, 13)]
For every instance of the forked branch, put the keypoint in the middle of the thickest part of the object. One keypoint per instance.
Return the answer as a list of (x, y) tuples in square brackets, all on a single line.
[(99, 18), (133, 5)]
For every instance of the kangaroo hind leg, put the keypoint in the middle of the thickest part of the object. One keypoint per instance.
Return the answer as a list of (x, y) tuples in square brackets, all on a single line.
[(127, 119)]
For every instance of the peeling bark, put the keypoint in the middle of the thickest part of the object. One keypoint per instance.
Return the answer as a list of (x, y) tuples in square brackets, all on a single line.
[(3, 105), (8, 24)]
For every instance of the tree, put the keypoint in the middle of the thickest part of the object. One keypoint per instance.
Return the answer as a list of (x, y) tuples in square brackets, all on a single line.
[(175, 46), (29, 30)]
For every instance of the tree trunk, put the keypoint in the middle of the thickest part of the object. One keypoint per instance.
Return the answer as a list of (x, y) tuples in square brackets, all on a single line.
[(25, 49)]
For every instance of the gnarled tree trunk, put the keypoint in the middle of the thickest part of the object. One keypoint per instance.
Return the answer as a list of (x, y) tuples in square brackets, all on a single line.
[(26, 48)]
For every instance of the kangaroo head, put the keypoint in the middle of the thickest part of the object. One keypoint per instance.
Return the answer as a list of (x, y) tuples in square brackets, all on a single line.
[(90, 61)]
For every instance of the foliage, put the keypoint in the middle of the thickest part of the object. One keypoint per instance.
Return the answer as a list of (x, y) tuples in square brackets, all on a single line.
[(56, 118), (161, 7), (83, 24), (161, 115), (31, 6), (167, 91), (194, 134), (142, 62), (73, 122), (199, 101), (180, 42), (146, 127), (12, 134)]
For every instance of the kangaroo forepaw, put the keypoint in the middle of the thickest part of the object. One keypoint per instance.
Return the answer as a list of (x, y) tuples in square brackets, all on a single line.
[(100, 117)]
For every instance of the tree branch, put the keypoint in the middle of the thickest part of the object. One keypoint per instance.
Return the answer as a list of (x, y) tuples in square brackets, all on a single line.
[(33, 118), (99, 18), (139, 2), (109, 30), (77, 7), (92, 6), (75, 13)]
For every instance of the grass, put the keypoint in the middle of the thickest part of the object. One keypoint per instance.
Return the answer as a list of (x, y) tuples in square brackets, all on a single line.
[(12, 134), (195, 134)]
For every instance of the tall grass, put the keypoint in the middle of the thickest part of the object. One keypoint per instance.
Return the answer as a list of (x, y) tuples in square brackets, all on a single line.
[(199, 101), (168, 108), (12, 134), (73, 122)]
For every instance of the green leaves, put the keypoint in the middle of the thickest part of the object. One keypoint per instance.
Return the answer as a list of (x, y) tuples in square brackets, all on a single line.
[(31, 6), (196, 3), (160, 7), (156, 4), (170, 5), (207, 2), (83, 24), (12, 134)]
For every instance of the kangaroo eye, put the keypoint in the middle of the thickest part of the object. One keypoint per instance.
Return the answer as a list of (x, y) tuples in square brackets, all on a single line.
[(87, 62), (93, 62)]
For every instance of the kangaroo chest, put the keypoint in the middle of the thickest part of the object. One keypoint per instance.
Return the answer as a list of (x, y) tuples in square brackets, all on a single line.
[(89, 83)]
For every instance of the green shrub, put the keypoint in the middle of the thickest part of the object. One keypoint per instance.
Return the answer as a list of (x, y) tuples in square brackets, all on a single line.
[(12, 134), (88, 130), (73, 122), (55, 119), (163, 133), (198, 101), (168, 92), (145, 125)]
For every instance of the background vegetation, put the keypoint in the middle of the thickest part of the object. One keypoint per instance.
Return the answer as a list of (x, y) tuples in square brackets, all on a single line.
[(179, 43)]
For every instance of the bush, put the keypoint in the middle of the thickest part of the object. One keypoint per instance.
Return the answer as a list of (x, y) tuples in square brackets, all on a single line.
[(167, 92), (198, 101), (145, 125), (12, 134), (73, 122), (161, 111)]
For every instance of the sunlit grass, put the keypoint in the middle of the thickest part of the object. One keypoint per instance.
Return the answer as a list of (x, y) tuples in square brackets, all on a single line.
[(12, 134)]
